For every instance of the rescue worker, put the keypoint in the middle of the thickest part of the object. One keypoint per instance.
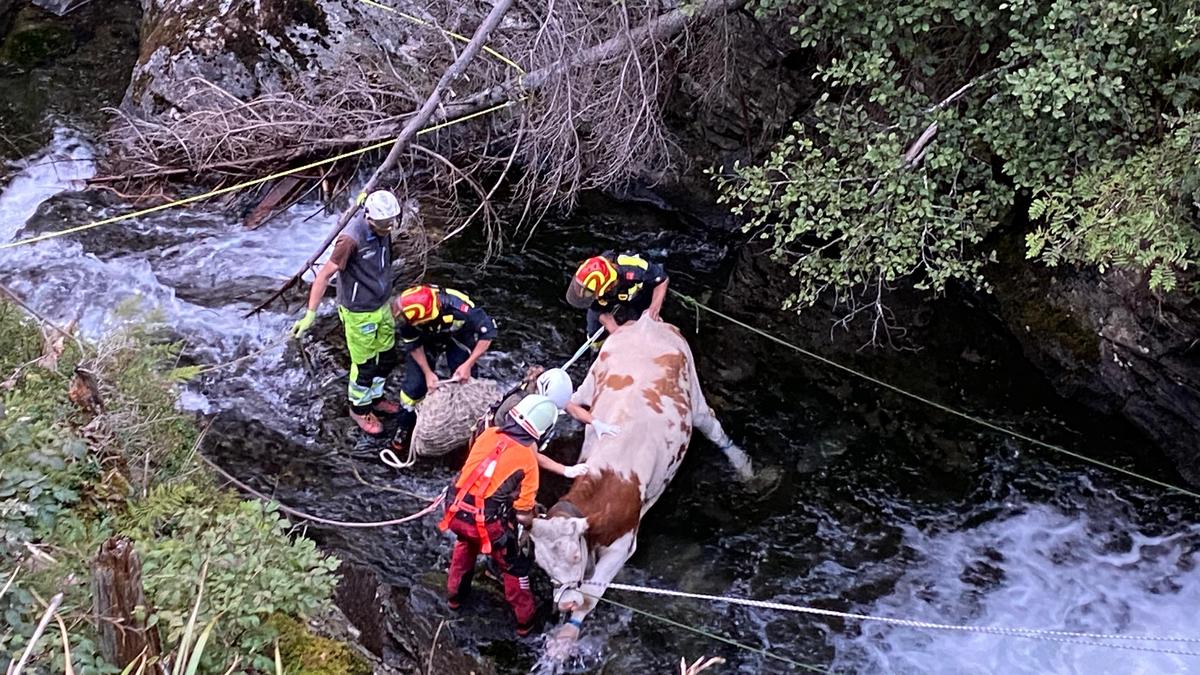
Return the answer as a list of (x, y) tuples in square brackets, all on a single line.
[(434, 321), (362, 259), (494, 492), (615, 289), (555, 384)]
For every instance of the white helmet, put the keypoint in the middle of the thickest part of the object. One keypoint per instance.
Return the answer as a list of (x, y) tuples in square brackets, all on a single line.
[(381, 205), (536, 414), (555, 384)]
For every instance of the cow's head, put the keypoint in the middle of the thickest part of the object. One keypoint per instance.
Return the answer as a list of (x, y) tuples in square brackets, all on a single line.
[(560, 548)]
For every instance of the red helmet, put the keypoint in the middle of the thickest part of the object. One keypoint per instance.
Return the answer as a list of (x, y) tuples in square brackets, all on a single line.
[(592, 280), (418, 304)]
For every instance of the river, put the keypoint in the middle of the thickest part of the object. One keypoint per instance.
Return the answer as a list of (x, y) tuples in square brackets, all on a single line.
[(883, 506)]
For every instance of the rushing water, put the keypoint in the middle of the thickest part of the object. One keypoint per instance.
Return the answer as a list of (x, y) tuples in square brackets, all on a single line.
[(883, 506)]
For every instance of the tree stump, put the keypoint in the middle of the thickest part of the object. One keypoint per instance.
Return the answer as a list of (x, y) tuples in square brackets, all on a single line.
[(117, 582)]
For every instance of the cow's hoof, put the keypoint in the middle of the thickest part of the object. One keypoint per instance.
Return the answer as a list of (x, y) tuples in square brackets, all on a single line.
[(765, 481), (562, 644)]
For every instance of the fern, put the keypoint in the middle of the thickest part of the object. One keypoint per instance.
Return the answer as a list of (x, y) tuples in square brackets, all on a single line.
[(165, 506)]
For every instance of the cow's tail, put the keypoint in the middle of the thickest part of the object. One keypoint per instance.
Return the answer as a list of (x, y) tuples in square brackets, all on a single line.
[(705, 421)]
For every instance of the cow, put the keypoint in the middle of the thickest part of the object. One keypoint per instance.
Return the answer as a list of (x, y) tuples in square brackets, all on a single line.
[(644, 380)]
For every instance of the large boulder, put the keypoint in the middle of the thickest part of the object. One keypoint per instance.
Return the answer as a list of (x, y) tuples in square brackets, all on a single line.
[(195, 52)]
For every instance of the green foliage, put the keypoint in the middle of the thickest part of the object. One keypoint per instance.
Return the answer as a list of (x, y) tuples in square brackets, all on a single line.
[(1027, 97), (254, 570), (1137, 213), (68, 481), (45, 473), (21, 340)]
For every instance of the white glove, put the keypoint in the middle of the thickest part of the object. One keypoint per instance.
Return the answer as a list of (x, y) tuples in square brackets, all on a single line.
[(604, 429), (575, 470)]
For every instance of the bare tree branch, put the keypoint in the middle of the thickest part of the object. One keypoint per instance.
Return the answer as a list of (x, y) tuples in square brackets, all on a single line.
[(406, 136)]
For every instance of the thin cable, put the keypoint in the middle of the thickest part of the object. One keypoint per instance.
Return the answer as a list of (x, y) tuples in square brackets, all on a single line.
[(713, 636), (246, 184), (437, 501), (994, 630), (935, 404), (254, 354)]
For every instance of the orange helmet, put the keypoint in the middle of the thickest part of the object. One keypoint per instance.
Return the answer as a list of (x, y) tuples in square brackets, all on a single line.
[(592, 279), (418, 304)]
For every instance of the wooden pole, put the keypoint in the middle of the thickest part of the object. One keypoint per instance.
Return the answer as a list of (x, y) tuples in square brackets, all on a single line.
[(117, 584)]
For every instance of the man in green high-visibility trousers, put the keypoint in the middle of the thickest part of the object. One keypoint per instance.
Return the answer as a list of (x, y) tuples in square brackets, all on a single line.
[(362, 259)]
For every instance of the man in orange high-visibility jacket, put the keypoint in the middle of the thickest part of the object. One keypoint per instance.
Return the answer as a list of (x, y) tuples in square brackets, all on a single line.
[(494, 491)]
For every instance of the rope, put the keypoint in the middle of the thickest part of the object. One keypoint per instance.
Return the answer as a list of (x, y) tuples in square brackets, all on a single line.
[(944, 408), (240, 359), (389, 457), (583, 348), (437, 501), (710, 635), (461, 38), (1065, 636), (246, 184), (387, 488)]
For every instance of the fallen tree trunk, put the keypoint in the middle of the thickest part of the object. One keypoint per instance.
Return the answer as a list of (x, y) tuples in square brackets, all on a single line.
[(663, 27), (409, 132)]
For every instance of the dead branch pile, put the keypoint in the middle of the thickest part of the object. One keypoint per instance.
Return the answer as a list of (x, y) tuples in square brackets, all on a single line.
[(235, 137), (591, 114)]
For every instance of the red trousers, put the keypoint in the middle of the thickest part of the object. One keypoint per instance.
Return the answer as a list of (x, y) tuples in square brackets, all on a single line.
[(505, 551)]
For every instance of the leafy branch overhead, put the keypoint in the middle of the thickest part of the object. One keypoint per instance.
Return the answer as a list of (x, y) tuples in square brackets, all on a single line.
[(933, 118)]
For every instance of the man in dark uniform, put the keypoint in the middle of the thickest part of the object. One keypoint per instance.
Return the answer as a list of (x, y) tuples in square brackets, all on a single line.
[(432, 321), (616, 289)]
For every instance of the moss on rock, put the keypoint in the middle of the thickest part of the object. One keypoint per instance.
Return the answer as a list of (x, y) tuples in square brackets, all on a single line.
[(304, 653)]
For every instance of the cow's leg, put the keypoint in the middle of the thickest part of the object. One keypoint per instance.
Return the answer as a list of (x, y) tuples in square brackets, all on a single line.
[(706, 423), (608, 563)]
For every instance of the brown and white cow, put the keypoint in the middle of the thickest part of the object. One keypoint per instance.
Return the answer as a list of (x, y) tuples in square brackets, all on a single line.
[(643, 380)]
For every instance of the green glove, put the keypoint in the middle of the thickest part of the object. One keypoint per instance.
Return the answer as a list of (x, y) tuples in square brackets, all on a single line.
[(301, 327)]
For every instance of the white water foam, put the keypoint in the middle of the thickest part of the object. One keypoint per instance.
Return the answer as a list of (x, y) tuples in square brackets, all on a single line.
[(1039, 568), (64, 165), (205, 256)]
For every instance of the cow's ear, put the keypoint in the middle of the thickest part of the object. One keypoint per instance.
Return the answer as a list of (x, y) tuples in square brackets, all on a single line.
[(578, 526)]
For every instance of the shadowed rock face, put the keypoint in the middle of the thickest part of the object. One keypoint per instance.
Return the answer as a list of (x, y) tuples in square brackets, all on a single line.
[(1106, 342), (44, 58)]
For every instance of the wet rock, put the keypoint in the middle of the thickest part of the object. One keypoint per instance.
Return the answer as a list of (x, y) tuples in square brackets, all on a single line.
[(405, 627), (44, 59), (8, 10), (194, 53), (1105, 341), (35, 38)]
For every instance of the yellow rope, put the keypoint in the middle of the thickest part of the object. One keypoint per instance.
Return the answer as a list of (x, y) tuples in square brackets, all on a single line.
[(242, 186), (258, 181), (461, 38)]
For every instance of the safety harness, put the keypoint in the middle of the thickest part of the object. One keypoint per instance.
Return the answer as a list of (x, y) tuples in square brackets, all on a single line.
[(476, 486)]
